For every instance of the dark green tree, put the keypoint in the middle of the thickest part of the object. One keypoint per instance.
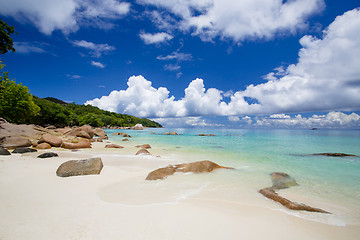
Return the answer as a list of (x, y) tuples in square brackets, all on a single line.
[(6, 43)]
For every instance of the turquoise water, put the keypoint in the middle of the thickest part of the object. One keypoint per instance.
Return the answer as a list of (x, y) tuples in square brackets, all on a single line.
[(333, 180)]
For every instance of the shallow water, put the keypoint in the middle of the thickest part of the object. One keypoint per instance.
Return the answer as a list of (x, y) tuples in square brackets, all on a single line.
[(331, 183)]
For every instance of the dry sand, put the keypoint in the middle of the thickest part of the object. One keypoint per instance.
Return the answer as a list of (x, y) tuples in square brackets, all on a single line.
[(120, 204)]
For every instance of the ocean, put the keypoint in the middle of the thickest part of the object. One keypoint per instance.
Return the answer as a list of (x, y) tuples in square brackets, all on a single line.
[(330, 183)]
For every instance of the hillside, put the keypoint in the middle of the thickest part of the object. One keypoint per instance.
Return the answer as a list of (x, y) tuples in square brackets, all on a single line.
[(59, 113)]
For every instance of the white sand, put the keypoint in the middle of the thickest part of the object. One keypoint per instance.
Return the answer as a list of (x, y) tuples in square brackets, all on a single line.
[(120, 204)]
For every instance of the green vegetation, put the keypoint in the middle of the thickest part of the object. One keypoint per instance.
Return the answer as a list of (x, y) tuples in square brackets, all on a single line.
[(6, 43), (72, 114), (16, 103)]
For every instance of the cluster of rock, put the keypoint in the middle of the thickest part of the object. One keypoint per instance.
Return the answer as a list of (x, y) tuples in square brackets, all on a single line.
[(121, 134), (171, 133), (206, 135), (281, 181), (15, 136)]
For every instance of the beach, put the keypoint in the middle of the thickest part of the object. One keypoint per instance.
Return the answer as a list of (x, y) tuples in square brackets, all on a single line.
[(120, 204)]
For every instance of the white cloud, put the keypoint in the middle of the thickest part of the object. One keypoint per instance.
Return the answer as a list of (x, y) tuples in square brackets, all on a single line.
[(172, 67), (326, 78), (66, 15), (330, 120), (155, 38), (96, 50), (73, 76), (186, 122), (97, 64), (178, 56), (29, 47), (238, 20)]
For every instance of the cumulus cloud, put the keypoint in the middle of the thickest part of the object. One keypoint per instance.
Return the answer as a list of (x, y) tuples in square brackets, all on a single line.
[(155, 38), (186, 122), (326, 78), (97, 64), (66, 15), (96, 50), (238, 20)]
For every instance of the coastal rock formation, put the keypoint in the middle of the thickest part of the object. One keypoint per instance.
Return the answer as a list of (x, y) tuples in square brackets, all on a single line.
[(3, 151), (80, 167), (113, 146), (271, 194), (144, 146), (24, 150), (195, 167), (48, 155), (335, 154), (12, 142), (83, 134), (50, 139), (99, 132), (143, 152), (282, 180), (78, 145), (43, 145), (138, 127)]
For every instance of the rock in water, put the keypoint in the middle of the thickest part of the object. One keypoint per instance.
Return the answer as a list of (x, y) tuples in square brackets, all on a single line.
[(24, 150), (282, 180), (3, 151), (334, 154), (50, 139), (144, 146), (113, 146), (195, 167), (143, 152), (48, 155), (80, 167), (271, 194)]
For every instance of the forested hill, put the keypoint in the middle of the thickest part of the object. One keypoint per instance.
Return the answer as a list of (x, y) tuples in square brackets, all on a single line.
[(59, 113)]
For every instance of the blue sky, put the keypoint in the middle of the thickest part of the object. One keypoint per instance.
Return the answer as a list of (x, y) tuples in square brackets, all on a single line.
[(220, 63)]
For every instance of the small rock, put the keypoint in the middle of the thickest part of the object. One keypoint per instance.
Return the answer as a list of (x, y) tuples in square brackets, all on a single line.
[(99, 140), (125, 139), (143, 152), (80, 167), (174, 133), (334, 154), (113, 146), (24, 150), (144, 146), (3, 151), (43, 145), (48, 155)]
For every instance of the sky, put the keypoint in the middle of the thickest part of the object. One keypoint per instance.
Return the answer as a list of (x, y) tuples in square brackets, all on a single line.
[(194, 63)]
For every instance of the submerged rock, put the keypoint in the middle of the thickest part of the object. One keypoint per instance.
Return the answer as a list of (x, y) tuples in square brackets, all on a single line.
[(195, 167), (271, 194), (282, 180), (80, 167), (48, 155), (24, 150), (206, 135), (335, 154), (3, 151)]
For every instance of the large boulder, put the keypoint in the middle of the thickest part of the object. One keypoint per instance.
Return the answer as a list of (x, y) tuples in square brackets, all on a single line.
[(3, 151), (48, 155), (43, 145), (78, 145), (271, 194), (80, 167), (83, 134), (51, 139), (99, 132), (24, 150), (14, 142), (88, 129), (195, 167), (282, 180), (138, 127)]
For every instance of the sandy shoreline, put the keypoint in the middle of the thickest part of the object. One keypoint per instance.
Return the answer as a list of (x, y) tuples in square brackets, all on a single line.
[(120, 204)]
